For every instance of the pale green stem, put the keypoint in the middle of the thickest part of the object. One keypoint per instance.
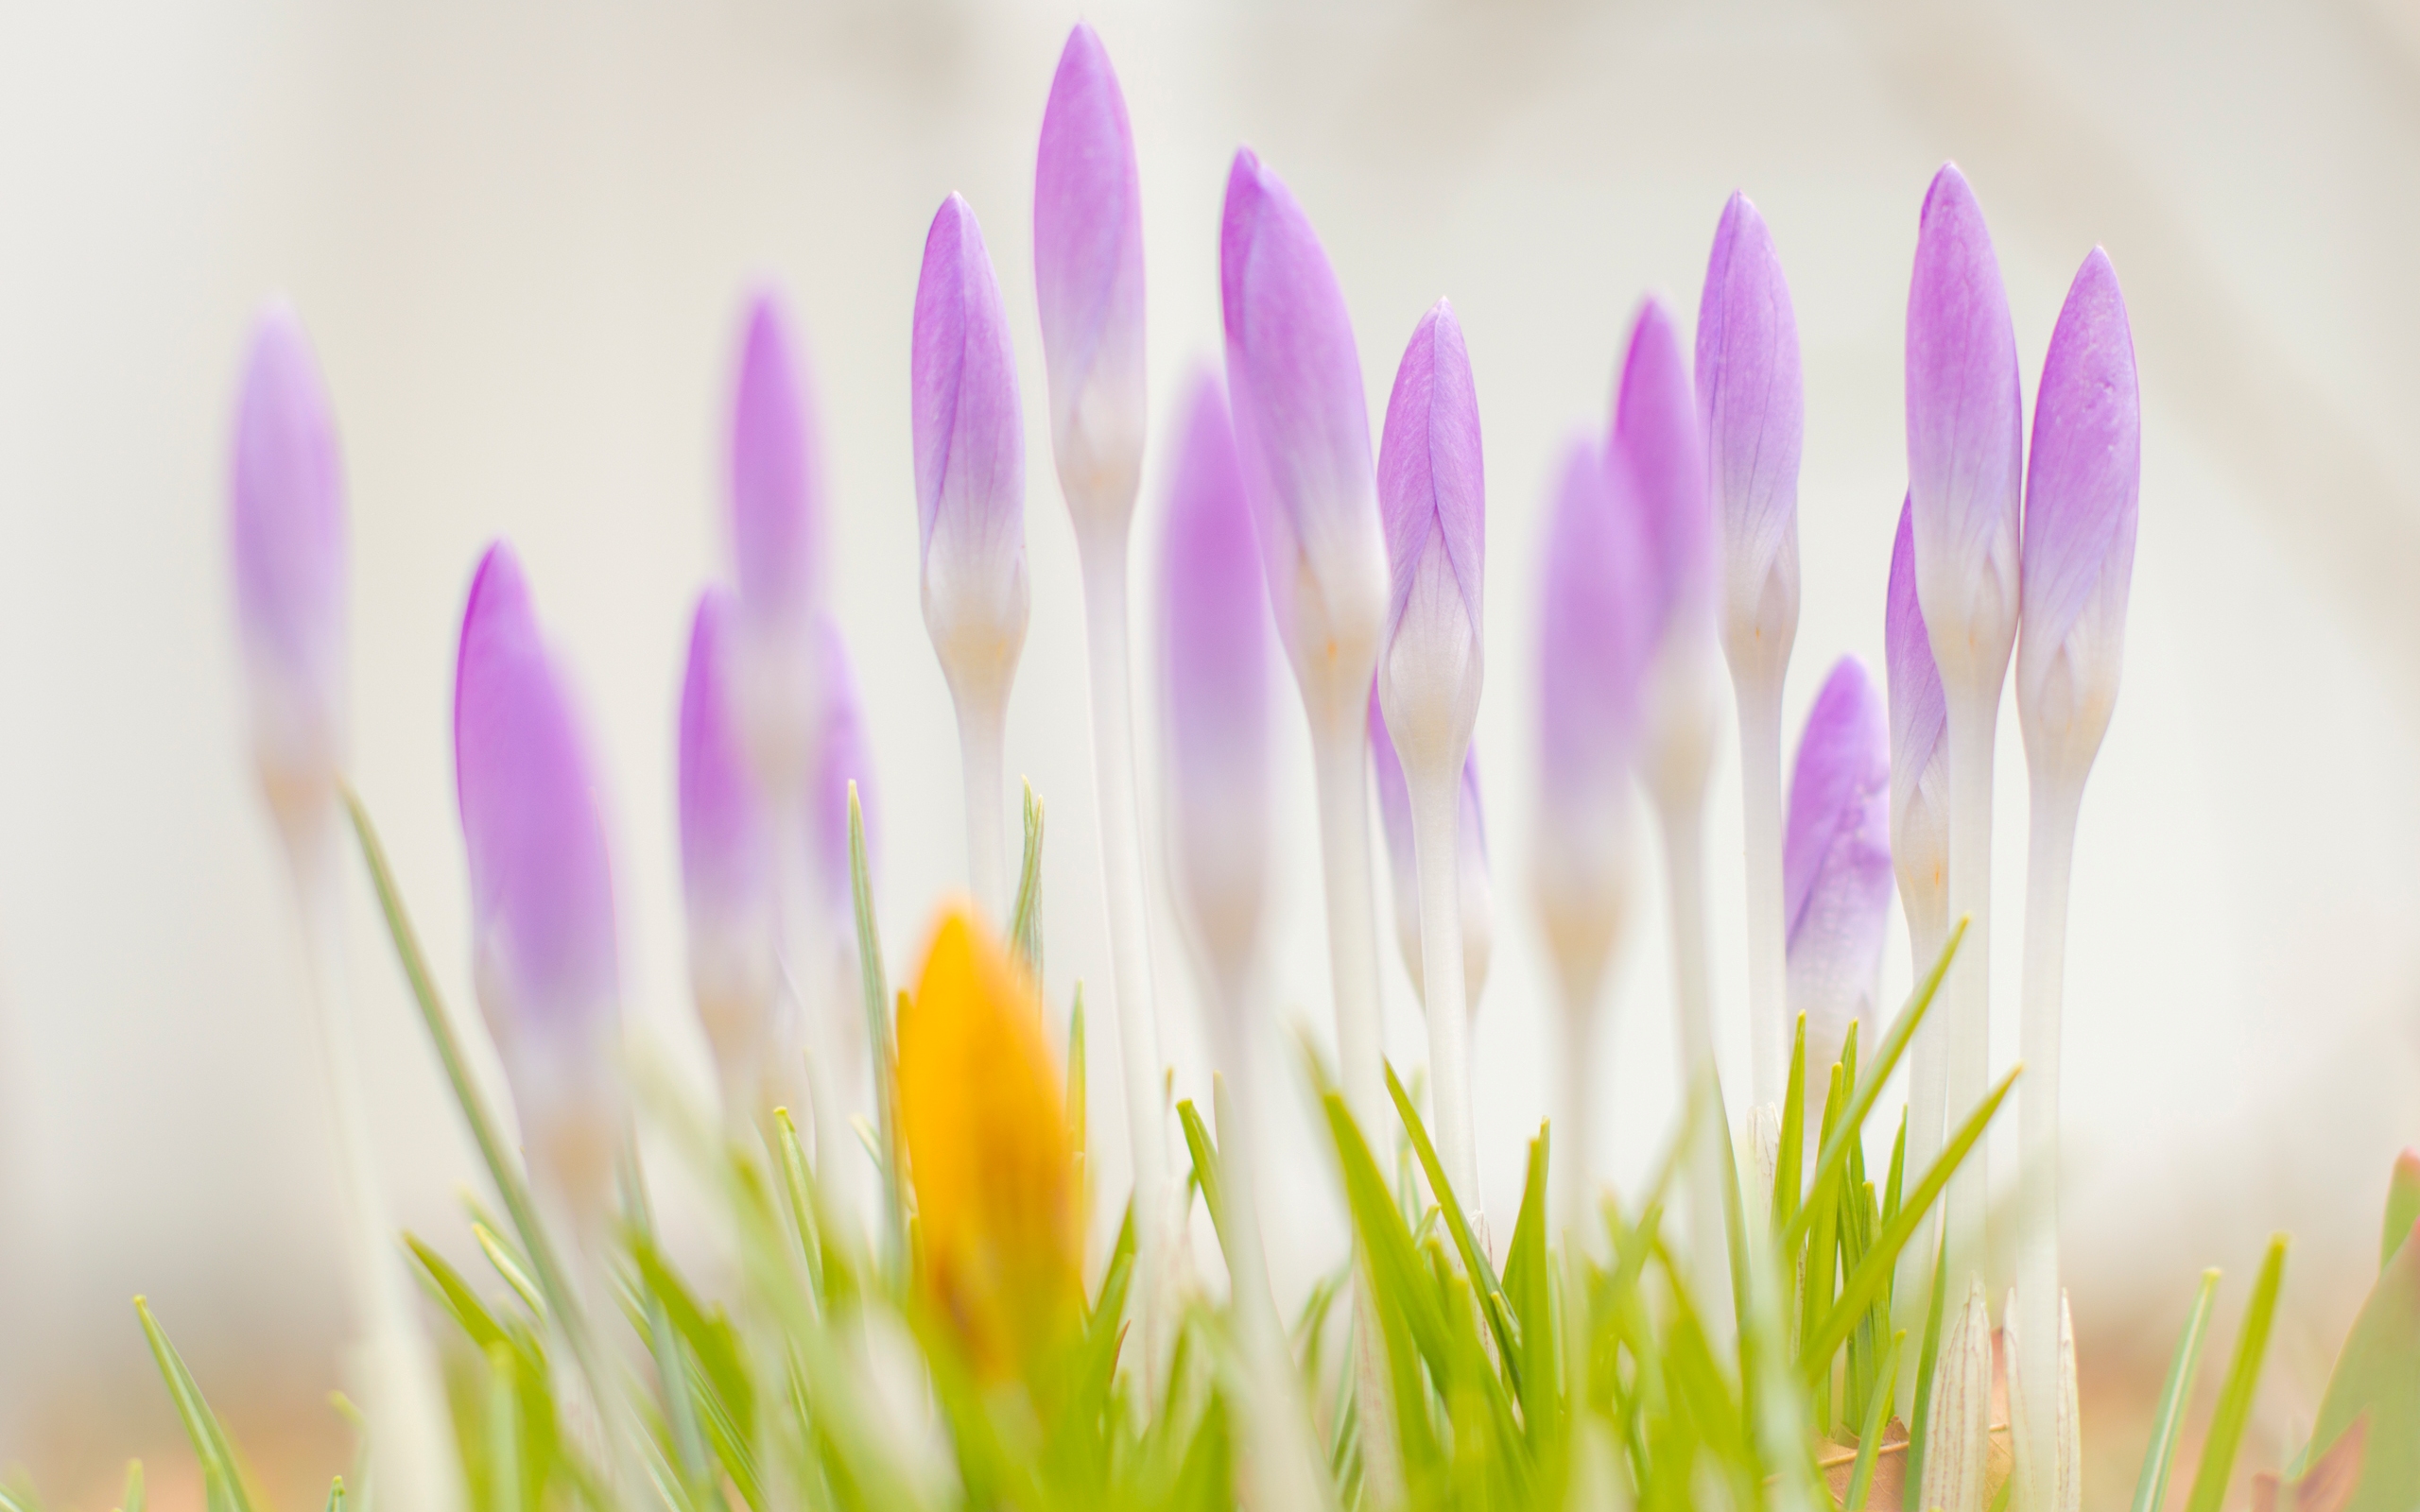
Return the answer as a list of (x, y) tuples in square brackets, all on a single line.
[(1103, 551), (1436, 837), (1974, 714), (2049, 863), (1761, 806), (1684, 830)]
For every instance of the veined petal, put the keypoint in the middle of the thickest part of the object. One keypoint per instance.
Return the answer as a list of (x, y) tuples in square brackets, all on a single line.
[(1919, 761), (1302, 430), (776, 480), (286, 518), (1215, 640), (1836, 858), (1752, 405), (2080, 497), (1431, 490), (1657, 452), (1088, 277), (1965, 435)]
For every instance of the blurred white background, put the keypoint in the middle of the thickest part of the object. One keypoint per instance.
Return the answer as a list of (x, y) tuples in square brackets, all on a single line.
[(519, 235)]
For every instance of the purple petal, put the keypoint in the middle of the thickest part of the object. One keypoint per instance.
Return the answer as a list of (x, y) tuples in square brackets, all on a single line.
[(1919, 715), (726, 856), (847, 757), (776, 487), (542, 889), (1656, 455), (287, 514), (2086, 470), (1431, 492), (969, 434), (1596, 637), (1965, 421), (1295, 380), (1836, 855), (1215, 639), (1751, 398), (1088, 258)]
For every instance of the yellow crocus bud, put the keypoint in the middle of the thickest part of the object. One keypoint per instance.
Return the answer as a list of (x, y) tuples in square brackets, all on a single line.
[(999, 1228)]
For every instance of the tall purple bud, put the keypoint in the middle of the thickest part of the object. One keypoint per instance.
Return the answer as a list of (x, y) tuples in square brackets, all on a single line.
[(287, 514), (2082, 484), (1302, 434), (1836, 864), (543, 950), (970, 508), (1752, 405), (727, 864), (777, 509), (1216, 643), (1088, 280), (1477, 888)]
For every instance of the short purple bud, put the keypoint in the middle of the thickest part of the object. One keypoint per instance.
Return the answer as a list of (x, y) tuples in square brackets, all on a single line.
[(1836, 863), (777, 507), (727, 865)]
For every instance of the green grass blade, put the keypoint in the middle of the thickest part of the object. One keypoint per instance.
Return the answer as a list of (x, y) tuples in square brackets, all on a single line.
[(1919, 1427), (1529, 1288), (1869, 1436), (1475, 1263), (335, 1495), (2235, 1399), (504, 1488), (881, 1036), (1205, 1151), (1869, 1087), (1025, 917), (132, 1497), (2168, 1422), (2402, 1205), (1793, 1134), (209, 1444), (1865, 1283)]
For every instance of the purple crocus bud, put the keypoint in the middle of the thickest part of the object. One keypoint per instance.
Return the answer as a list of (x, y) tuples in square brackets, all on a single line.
[(2080, 502), (1595, 642), (1836, 862), (1088, 278), (1478, 912), (777, 510), (727, 864), (1751, 403), (1919, 754), (847, 757), (1965, 438), (1433, 500), (287, 518), (1303, 432), (970, 461), (1215, 635), (541, 888)]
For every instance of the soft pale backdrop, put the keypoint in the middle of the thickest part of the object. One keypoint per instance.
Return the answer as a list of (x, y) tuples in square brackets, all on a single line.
[(519, 234)]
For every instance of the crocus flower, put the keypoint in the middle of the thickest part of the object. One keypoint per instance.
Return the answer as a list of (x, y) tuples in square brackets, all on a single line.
[(1215, 641), (1751, 403), (1594, 645), (542, 886), (727, 864), (1965, 438), (1088, 280), (983, 1112), (2079, 506), (288, 521), (1477, 911), (1303, 431), (1836, 863), (1919, 759), (777, 509), (1433, 499)]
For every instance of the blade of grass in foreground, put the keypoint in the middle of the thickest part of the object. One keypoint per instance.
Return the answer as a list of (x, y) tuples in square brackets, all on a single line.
[(2151, 1490), (879, 1035), (2235, 1399), (210, 1445)]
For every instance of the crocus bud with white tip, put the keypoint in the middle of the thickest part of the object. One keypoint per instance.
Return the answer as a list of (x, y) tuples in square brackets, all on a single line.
[(727, 864), (543, 948), (1216, 643), (1751, 403), (777, 507), (1919, 760), (287, 523), (1433, 499), (1965, 438), (1088, 280), (1303, 431), (1478, 890), (2080, 497), (1836, 864)]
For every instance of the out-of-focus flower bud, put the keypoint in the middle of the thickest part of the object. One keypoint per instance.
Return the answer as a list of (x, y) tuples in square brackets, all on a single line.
[(1836, 863), (1752, 405)]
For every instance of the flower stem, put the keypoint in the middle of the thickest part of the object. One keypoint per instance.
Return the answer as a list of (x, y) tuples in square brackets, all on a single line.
[(1103, 552), (1684, 829), (1759, 700), (417, 1463), (2049, 863), (1436, 839), (981, 734), (1974, 714)]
